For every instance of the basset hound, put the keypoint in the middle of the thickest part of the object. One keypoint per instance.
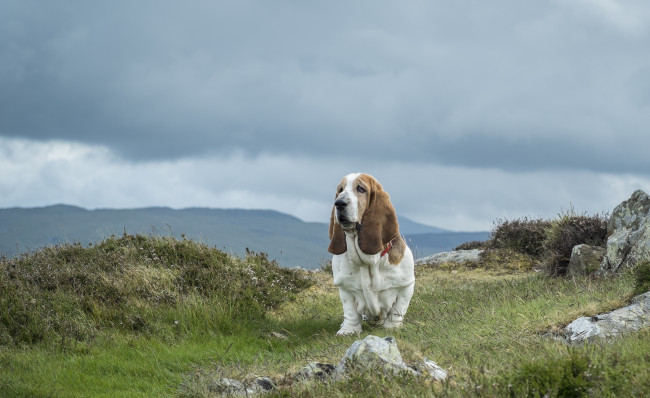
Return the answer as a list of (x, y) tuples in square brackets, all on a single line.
[(372, 265)]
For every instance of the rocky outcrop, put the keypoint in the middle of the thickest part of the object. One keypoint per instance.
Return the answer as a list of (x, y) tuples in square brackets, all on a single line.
[(370, 354), (613, 324), (628, 231), (585, 259), (456, 256)]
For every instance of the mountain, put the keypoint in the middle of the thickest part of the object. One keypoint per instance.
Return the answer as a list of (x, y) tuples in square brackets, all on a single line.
[(287, 239), (410, 227)]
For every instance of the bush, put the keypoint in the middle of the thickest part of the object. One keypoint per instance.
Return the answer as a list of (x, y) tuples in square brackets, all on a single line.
[(568, 231), (563, 377), (522, 236), (474, 244), (132, 283), (642, 277)]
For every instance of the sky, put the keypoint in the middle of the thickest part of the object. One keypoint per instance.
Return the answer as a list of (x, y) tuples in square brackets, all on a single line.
[(467, 112)]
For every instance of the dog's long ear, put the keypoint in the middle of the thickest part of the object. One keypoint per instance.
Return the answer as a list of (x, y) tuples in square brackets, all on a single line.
[(379, 223), (337, 237)]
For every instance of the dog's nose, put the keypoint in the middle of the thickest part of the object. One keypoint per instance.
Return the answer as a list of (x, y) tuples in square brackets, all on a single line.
[(340, 203)]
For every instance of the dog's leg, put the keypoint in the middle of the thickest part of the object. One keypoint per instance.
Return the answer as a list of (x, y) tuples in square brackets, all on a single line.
[(351, 316), (397, 312)]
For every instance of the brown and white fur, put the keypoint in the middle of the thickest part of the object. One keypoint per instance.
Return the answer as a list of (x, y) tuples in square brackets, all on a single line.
[(371, 284)]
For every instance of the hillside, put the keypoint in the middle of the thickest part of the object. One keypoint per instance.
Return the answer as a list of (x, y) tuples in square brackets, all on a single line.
[(152, 316), (287, 239)]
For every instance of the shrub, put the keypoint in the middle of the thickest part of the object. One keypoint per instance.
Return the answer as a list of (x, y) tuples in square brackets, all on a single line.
[(568, 231), (471, 245), (523, 235), (132, 283), (642, 277)]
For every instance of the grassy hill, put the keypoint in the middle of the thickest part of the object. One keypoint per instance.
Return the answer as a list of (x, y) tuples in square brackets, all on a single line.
[(286, 239), (159, 316)]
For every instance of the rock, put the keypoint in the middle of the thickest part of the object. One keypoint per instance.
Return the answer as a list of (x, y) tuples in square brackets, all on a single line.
[(315, 371), (382, 353), (456, 256), (235, 388), (628, 231), (430, 369), (372, 353), (225, 386), (585, 259), (261, 384), (606, 326)]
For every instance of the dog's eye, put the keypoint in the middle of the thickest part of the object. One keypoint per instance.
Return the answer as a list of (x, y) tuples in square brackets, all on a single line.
[(361, 189)]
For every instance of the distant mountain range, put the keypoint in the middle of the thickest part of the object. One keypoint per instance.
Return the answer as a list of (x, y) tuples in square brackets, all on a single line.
[(287, 239)]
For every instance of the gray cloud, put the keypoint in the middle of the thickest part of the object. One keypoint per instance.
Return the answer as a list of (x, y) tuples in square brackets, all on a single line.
[(507, 85), (498, 90)]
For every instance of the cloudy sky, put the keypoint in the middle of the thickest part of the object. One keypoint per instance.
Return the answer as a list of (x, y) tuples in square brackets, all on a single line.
[(466, 111)]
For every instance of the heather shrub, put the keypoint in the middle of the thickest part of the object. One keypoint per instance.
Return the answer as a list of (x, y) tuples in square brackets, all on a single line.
[(471, 245), (137, 284), (523, 235), (568, 231)]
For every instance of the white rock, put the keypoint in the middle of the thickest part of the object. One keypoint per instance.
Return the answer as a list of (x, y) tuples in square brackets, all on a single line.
[(372, 353), (606, 326)]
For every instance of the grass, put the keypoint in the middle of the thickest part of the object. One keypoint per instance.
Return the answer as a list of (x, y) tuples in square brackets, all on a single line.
[(485, 326)]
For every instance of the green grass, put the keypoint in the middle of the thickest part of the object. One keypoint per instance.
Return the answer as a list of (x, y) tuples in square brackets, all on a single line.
[(484, 326)]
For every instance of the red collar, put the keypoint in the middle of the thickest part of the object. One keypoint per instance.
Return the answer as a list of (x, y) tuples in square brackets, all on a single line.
[(389, 245)]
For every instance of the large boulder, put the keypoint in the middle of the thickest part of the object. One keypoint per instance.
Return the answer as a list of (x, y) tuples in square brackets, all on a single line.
[(628, 231), (585, 259), (613, 324)]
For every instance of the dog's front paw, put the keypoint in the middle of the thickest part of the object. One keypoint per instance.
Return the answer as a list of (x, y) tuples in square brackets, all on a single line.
[(348, 330), (392, 325)]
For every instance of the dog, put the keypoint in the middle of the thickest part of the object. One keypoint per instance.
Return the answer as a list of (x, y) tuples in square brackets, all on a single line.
[(372, 265)]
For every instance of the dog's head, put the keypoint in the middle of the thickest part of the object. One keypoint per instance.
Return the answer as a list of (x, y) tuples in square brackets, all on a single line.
[(362, 204)]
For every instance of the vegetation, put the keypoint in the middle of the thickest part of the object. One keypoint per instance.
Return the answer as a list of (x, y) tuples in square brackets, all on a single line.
[(524, 235), (527, 242), (134, 284), (151, 316), (642, 277), (568, 231)]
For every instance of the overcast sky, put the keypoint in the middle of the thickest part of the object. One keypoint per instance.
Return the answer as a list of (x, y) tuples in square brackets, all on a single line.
[(466, 111)]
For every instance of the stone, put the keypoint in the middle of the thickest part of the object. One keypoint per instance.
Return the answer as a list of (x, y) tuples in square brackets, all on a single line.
[(585, 259), (234, 388), (372, 353), (628, 231), (610, 325), (456, 256), (315, 371), (227, 387), (431, 370), (261, 384)]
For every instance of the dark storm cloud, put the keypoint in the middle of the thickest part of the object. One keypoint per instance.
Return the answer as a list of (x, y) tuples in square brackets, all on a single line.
[(507, 84)]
